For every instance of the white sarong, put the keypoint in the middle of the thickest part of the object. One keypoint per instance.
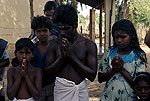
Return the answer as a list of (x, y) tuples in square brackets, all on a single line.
[(29, 99), (66, 90)]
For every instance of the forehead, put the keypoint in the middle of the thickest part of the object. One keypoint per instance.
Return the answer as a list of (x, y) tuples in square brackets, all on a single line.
[(142, 83), (42, 28), (49, 11), (62, 24), (25, 49), (120, 32)]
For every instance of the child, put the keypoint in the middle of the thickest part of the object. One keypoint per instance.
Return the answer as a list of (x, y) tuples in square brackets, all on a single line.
[(24, 81), (42, 28), (142, 86), (121, 62), (49, 8)]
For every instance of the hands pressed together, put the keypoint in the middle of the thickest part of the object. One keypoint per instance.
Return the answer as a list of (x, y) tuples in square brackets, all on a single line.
[(23, 68), (66, 48), (117, 64)]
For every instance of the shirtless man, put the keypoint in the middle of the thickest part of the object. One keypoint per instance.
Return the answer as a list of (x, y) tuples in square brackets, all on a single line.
[(24, 81), (78, 58)]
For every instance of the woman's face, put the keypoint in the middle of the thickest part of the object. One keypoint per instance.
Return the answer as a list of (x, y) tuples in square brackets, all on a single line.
[(122, 39), (142, 90)]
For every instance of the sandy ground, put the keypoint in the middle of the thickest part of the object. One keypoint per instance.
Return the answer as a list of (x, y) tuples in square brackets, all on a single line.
[(95, 89)]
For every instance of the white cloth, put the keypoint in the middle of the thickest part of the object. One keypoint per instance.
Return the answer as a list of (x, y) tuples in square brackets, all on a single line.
[(66, 90), (29, 99)]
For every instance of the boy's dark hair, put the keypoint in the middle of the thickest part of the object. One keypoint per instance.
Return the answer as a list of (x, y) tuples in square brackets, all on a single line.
[(141, 76), (41, 22), (128, 27), (50, 5), (24, 43), (66, 14)]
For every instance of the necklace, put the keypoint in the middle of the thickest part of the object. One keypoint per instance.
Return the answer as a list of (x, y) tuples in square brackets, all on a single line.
[(75, 41)]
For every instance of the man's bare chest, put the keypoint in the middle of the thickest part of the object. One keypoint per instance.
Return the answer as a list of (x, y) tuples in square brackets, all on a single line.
[(80, 51)]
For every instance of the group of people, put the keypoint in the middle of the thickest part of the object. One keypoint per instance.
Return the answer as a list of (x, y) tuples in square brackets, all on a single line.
[(56, 68)]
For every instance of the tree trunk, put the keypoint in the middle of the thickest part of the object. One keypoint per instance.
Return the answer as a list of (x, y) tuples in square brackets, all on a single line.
[(31, 15)]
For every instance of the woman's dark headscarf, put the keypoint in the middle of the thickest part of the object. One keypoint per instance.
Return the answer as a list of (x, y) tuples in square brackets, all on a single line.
[(128, 27)]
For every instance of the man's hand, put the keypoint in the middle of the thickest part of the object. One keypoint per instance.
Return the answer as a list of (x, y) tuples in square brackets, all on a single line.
[(117, 64), (66, 48)]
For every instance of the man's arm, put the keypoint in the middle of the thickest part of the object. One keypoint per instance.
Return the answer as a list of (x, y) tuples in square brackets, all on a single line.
[(89, 68), (12, 86), (34, 89), (53, 65)]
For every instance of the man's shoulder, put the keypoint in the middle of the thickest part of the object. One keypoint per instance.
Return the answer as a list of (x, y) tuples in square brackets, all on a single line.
[(88, 41), (54, 42)]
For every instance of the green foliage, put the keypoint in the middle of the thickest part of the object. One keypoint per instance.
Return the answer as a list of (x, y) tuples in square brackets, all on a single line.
[(140, 11), (71, 2), (83, 20)]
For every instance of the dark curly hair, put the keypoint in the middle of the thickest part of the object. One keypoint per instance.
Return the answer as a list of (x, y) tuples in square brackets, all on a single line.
[(128, 27), (24, 43), (41, 22), (66, 14)]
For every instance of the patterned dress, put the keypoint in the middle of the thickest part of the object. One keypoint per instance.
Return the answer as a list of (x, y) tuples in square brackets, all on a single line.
[(117, 88)]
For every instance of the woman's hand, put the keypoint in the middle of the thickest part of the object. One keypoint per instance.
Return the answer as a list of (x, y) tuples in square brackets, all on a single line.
[(117, 64)]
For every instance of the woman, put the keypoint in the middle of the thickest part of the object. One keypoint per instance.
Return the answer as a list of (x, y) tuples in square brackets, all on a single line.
[(121, 62)]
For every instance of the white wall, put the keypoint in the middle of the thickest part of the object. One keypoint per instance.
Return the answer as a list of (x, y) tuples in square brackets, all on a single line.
[(15, 18)]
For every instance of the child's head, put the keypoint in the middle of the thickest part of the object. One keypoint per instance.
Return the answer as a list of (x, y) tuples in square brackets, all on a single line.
[(49, 8), (24, 49), (42, 27), (142, 85)]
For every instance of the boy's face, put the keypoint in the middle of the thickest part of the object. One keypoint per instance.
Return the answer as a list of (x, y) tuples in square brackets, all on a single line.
[(49, 13), (24, 53), (42, 34), (142, 90)]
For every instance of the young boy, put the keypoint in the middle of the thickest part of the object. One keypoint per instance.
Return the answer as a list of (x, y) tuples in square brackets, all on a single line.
[(42, 28), (49, 8), (24, 81)]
